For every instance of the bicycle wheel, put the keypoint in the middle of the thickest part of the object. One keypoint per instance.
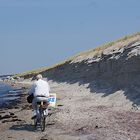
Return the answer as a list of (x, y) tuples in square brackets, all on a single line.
[(42, 121), (35, 122)]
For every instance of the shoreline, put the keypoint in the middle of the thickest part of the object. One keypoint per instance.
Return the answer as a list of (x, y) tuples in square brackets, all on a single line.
[(18, 90)]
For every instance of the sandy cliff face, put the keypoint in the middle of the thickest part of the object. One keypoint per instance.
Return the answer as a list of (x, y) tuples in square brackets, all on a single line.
[(117, 67), (120, 67)]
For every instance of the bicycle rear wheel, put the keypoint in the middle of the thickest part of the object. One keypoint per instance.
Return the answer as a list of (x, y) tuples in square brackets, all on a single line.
[(35, 122), (42, 121)]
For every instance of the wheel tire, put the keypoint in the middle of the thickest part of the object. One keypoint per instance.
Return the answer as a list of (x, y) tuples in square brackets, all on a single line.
[(42, 122), (35, 123)]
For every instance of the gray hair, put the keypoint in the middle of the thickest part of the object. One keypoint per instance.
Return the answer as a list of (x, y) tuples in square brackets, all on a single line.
[(39, 76)]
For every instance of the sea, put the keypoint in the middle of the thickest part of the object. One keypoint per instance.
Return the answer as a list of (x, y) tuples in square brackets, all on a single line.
[(8, 94)]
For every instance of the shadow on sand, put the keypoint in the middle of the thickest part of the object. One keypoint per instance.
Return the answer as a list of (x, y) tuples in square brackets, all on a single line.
[(23, 127), (105, 76)]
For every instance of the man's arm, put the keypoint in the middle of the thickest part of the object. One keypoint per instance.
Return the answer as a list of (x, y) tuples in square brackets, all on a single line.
[(32, 89)]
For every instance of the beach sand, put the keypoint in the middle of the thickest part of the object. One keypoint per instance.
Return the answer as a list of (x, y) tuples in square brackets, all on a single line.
[(78, 115)]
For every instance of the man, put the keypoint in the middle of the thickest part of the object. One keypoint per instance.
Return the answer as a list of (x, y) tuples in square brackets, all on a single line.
[(40, 90)]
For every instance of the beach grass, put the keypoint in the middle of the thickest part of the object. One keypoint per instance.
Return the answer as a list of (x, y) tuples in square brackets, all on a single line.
[(93, 52)]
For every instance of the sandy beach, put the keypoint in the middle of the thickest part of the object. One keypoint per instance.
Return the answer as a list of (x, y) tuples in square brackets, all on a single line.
[(78, 115)]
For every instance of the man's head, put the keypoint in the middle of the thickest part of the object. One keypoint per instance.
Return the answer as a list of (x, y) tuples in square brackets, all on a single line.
[(39, 76)]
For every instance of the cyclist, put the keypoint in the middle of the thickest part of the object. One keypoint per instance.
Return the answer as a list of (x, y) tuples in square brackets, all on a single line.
[(40, 90)]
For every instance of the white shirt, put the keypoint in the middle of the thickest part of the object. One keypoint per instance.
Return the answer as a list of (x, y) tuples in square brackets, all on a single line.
[(40, 87)]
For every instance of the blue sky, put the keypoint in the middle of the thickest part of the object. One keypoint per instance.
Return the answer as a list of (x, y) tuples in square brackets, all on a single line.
[(38, 33)]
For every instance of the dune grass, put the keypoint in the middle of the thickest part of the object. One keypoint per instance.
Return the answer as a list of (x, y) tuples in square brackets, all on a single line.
[(98, 50), (40, 70), (94, 52)]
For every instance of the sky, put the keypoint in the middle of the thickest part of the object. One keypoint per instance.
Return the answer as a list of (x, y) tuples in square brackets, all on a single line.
[(41, 33)]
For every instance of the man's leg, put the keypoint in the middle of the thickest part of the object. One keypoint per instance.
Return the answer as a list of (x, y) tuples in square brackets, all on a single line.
[(34, 107), (46, 112)]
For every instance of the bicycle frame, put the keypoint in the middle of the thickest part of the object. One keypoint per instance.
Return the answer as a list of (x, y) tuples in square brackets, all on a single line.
[(41, 118)]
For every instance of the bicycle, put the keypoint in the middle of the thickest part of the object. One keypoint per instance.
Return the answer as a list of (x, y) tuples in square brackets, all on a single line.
[(40, 119)]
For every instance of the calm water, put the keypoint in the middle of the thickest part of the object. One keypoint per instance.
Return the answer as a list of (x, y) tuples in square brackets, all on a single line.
[(4, 88), (7, 94)]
